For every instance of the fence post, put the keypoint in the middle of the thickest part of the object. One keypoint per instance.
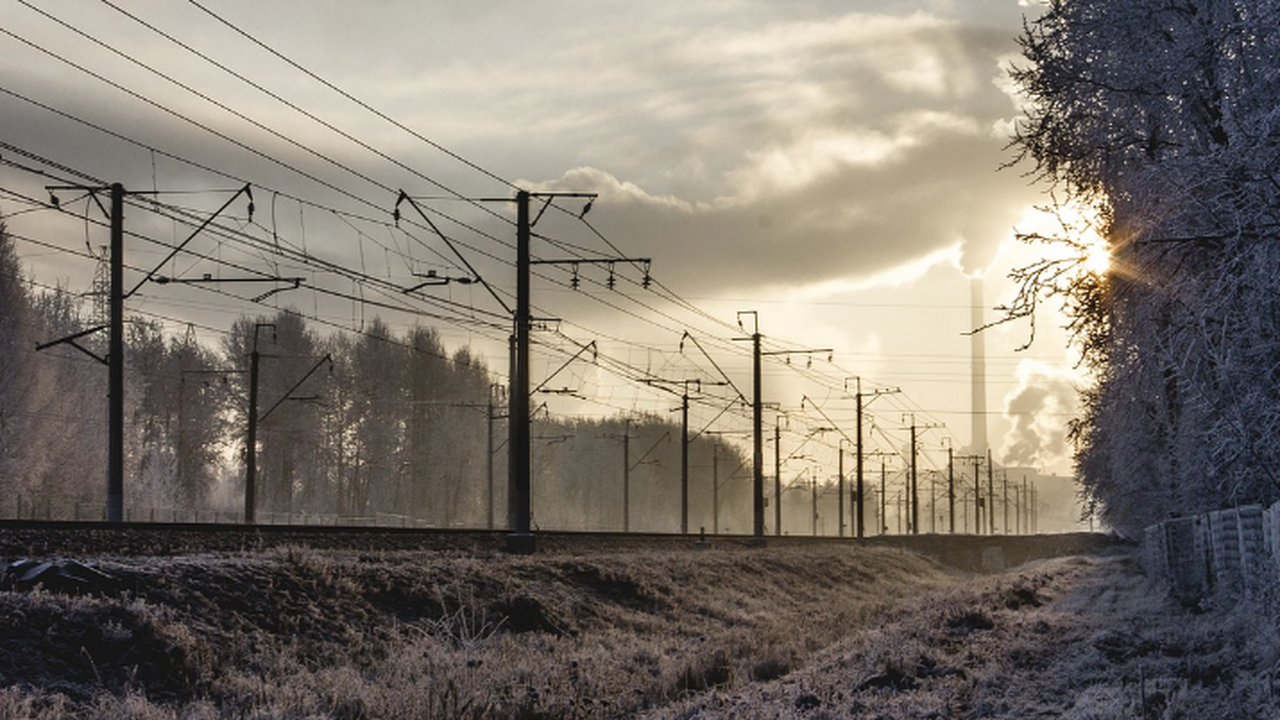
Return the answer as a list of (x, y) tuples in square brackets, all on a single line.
[(1252, 546), (1226, 550)]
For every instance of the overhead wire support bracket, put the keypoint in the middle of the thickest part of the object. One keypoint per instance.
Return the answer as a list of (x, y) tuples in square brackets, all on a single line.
[(289, 395), (246, 190), (589, 346), (688, 336), (810, 352), (405, 197), (609, 261), (431, 278), (57, 205), (293, 283), (71, 340), (92, 191), (834, 425)]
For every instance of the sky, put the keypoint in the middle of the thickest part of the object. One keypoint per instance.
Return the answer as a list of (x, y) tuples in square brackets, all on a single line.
[(835, 168)]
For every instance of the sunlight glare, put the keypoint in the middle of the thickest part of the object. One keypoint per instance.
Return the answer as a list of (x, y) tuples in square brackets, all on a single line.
[(1097, 256)]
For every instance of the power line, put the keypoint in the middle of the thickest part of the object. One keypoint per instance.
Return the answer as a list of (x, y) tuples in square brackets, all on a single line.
[(297, 66), (824, 379)]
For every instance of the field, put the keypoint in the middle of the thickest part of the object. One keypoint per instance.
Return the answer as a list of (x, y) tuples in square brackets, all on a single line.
[(822, 631)]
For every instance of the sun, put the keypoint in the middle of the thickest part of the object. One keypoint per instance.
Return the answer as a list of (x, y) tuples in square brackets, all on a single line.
[(1089, 246), (1097, 256)]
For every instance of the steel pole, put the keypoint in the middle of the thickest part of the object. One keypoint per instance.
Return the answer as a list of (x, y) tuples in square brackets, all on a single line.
[(521, 541), (115, 364)]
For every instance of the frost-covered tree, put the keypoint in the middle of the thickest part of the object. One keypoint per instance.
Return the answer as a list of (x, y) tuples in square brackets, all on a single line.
[(290, 457), (65, 433), (376, 418), (177, 400), (17, 369), (1161, 116)]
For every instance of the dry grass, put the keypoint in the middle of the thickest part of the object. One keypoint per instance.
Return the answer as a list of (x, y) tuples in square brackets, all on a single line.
[(1079, 638), (726, 632), (296, 632)]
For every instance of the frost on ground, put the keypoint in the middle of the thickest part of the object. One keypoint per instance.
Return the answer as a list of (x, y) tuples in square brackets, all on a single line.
[(835, 631), (1083, 637)]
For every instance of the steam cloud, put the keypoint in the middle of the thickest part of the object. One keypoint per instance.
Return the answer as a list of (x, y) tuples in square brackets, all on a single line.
[(1039, 408)]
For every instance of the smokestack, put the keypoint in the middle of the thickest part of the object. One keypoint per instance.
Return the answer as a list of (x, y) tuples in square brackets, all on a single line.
[(978, 349)]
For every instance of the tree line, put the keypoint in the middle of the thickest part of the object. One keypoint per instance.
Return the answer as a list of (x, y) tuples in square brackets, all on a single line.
[(1160, 116), (352, 426)]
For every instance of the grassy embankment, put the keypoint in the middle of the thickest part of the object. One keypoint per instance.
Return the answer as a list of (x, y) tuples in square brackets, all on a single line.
[(827, 632)]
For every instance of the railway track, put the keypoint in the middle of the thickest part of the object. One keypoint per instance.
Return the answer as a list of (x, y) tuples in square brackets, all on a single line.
[(30, 538)]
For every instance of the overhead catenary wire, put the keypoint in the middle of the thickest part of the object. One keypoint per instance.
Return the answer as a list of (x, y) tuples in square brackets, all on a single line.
[(598, 299), (605, 300)]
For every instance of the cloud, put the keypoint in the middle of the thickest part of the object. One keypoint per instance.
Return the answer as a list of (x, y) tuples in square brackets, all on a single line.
[(825, 152), (742, 145), (1039, 409)]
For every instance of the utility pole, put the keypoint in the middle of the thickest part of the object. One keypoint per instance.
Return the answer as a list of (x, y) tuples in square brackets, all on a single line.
[(520, 540), (757, 437), (492, 414), (951, 489), (758, 450), (914, 497), (251, 442), (1006, 501), (685, 440), (1017, 509), (977, 496), (840, 486), (991, 497), (933, 502), (977, 490), (858, 395), (115, 358), (884, 523), (1035, 510), (715, 487), (777, 473), (626, 476), (1023, 525), (757, 428), (813, 484), (715, 479), (489, 416), (859, 511), (684, 460), (832, 427)]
